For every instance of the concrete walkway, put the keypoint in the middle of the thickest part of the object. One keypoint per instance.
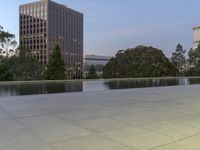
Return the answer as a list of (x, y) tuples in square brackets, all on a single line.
[(166, 118)]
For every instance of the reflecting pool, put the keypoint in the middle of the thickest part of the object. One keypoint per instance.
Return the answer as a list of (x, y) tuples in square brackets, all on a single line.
[(32, 88)]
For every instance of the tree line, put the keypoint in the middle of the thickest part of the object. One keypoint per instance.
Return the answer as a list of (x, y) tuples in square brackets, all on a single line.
[(144, 61), (19, 64)]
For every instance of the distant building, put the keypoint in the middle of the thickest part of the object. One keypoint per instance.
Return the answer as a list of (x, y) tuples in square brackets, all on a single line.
[(97, 61), (45, 24), (196, 36)]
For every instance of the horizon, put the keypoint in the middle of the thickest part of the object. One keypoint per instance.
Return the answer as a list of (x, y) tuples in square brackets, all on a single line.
[(114, 26)]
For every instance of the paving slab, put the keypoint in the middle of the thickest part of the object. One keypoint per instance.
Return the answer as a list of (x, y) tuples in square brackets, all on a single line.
[(133, 119)]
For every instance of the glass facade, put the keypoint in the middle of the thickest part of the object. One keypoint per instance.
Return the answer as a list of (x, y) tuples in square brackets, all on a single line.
[(45, 24)]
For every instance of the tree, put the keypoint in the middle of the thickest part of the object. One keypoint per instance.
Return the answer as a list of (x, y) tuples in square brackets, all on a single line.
[(23, 66), (194, 56), (193, 71), (56, 67), (109, 70), (178, 58), (92, 73), (136, 62), (5, 74), (7, 43)]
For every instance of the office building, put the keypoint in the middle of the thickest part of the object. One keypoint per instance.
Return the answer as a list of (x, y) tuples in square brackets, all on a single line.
[(196, 37), (45, 24)]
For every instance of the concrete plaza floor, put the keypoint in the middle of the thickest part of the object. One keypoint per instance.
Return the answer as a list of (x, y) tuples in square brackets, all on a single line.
[(166, 118)]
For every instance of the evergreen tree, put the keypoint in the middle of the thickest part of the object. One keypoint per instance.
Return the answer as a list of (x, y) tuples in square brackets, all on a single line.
[(56, 67), (92, 73), (178, 58)]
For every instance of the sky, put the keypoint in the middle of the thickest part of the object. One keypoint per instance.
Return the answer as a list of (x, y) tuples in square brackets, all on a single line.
[(112, 25)]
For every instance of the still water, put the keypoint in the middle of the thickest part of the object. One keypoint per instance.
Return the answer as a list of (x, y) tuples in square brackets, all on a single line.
[(80, 86)]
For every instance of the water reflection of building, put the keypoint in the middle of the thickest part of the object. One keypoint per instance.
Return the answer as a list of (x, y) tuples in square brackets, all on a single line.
[(97, 61), (40, 88), (44, 24)]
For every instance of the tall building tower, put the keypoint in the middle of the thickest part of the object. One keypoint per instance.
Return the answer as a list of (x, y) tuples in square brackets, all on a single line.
[(196, 37), (44, 24)]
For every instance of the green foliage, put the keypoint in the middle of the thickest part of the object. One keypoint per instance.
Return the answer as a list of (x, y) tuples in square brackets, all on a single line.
[(22, 52), (7, 43), (24, 67), (193, 71), (56, 67), (92, 73), (178, 58), (5, 74), (194, 56), (137, 62)]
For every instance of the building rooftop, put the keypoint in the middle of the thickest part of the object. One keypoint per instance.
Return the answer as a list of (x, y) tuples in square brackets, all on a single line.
[(52, 2), (196, 27), (97, 57)]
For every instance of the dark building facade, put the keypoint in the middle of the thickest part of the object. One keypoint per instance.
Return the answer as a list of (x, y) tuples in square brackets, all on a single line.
[(44, 24)]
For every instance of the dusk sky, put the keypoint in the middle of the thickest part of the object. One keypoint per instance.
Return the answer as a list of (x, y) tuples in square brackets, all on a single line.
[(111, 25)]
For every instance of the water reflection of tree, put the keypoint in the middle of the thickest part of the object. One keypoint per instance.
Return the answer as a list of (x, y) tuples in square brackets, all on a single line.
[(194, 80), (40, 88), (125, 84)]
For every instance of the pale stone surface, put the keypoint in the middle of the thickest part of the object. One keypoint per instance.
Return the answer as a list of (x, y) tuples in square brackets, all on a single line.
[(190, 143), (133, 119), (102, 124), (138, 138), (61, 132), (174, 130), (90, 143), (78, 115)]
